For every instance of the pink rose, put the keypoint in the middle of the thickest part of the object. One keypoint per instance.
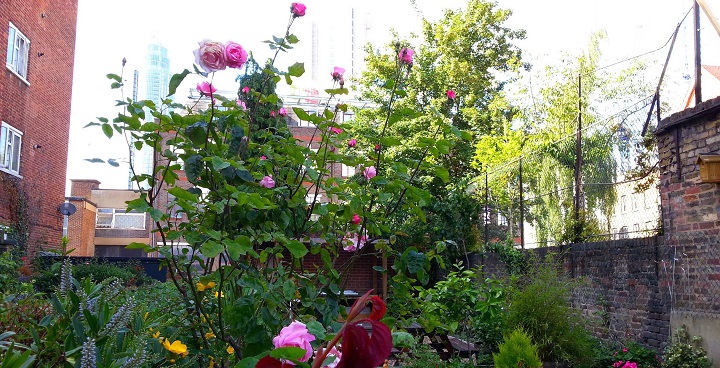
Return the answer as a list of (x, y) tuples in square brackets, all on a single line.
[(406, 56), (282, 112), (451, 94), (355, 242), (377, 147), (210, 56), (352, 143), (333, 353), (272, 114), (336, 130), (241, 103), (246, 90), (337, 73), (235, 55), (297, 9), (369, 172), (630, 364), (297, 335), (624, 350), (618, 364), (267, 182), (206, 88), (263, 158), (356, 219)]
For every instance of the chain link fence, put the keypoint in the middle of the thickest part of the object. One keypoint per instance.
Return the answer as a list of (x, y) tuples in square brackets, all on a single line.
[(597, 184)]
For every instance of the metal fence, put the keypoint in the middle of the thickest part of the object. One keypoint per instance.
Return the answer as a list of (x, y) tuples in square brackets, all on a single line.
[(600, 183)]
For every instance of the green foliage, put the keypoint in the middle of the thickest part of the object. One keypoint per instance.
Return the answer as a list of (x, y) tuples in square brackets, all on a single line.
[(423, 356), (685, 351), (129, 274), (630, 352), (540, 305), (517, 350), (9, 275), (513, 258)]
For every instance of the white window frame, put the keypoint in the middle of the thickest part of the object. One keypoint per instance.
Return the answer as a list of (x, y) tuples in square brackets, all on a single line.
[(18, 52), (347, 171), (10, 162), (114, 214)]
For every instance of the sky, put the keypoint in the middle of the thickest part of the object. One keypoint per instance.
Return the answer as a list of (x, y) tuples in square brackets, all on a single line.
[(110, 30)]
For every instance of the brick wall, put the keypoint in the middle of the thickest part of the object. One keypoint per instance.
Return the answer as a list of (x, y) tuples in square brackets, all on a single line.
[(40, 108), (623, 291), (689, 206)]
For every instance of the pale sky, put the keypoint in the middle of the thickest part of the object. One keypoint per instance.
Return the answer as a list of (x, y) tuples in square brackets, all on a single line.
[(109, 30)]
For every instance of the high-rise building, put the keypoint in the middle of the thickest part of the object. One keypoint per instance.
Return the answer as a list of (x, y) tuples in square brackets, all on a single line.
[(157, 79)]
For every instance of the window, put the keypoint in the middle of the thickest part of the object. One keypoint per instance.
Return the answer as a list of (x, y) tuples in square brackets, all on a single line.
[(347, 171), (18, 51), (502, 220), (10, 145), (174, 210), (117, 218)]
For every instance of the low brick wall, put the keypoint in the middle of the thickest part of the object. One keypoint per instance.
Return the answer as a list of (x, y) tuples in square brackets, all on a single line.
[(623, 292)]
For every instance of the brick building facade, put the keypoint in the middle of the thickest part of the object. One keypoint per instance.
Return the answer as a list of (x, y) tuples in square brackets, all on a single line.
[(38, 39)]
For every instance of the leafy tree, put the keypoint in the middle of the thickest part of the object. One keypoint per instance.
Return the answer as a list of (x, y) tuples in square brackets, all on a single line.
[(544, 136), (463, 52)]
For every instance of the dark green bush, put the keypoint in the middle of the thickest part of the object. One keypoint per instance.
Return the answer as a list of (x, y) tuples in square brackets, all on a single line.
[(128, 274), (540, 305)]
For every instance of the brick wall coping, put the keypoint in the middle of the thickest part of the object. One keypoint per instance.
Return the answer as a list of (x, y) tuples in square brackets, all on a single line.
[(691, 115), (81, 199)]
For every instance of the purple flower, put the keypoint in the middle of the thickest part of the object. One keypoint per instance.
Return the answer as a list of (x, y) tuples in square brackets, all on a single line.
[(406, 56), (337, 73), (267, 182), (241, 103), (356, 219), (282, 112), (336, 130), (206, 88), (369, 172), (298, 9), (352, 143)]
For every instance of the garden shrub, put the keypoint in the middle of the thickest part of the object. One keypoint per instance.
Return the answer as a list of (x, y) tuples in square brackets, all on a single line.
[(9, 275), (685, 351), (517, 350), (628, 353), (129, 274), (540, 305)]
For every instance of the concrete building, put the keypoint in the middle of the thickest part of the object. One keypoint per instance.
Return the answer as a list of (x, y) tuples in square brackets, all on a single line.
[(35, 92), (102, 226)]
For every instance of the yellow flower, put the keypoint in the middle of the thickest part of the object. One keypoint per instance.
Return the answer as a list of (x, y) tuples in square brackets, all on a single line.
[(230, 350), (212, 363), (177, 347), (207, 286), (156, 335), (209, 335), (222, 295), (145, 316)]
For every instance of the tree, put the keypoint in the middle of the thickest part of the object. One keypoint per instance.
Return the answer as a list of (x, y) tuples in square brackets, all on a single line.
[(465, 52), (544, 137)]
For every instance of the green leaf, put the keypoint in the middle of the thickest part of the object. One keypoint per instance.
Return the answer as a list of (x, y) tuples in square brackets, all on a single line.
[(289, 289), (379, 268), (316, 329), (415, 261), (292, 39), (176, 80), (297, 69), (211, 249), (136, 245), (443, 174), (296, 248), (249, 362), (114, 77), (301, 114), (107, 129), (337, 91), (288, 352), (194, 167), (183, 194), (219, 163)]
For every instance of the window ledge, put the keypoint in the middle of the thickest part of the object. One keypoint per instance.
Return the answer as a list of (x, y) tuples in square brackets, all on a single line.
[(11, 172), (17, 75)]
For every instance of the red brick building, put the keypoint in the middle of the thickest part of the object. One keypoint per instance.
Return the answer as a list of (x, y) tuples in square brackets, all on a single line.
[(38, 40)]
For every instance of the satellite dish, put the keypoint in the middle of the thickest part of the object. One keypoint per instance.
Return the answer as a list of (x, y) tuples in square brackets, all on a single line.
[(67, 209)]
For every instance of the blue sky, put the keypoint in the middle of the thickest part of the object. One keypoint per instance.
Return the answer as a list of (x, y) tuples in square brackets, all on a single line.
[(109, 30)]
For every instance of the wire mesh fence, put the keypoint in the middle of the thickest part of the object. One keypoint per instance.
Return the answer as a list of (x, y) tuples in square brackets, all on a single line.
[(599, 183)]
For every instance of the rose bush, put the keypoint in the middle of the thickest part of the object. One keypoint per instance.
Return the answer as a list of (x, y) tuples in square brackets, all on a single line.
[(251, 202)]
